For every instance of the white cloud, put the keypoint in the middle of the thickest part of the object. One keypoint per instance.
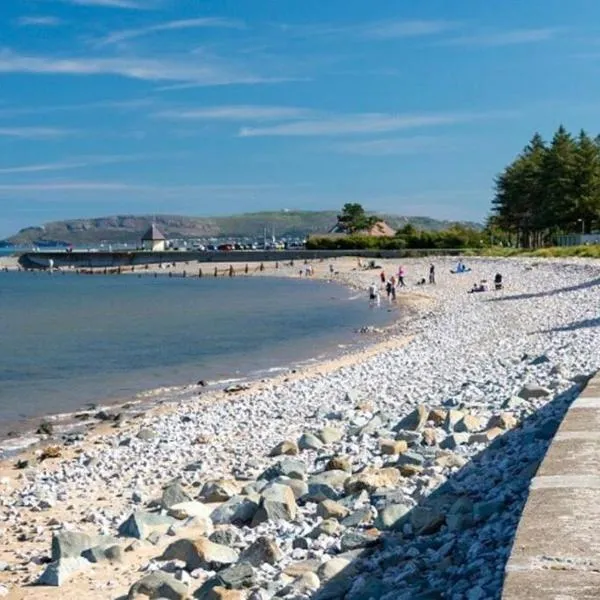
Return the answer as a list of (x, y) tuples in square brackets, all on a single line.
[(365, 123), (504, 38), (33, 133), (238, 113), (387, 30), (67, 165), (107, 104), (390, 146), (39, 21), (183, 69), (129, 34), (131, 4)]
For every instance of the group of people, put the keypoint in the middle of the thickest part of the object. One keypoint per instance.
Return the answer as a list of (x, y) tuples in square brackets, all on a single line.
[(482, 285), (391, 284)]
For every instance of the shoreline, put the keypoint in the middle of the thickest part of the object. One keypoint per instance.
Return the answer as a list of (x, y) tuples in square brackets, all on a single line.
[(467, 353), (20, 437)]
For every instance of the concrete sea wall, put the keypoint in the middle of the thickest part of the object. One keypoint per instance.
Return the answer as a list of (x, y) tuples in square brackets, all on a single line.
[(86, 260), (556, 551)]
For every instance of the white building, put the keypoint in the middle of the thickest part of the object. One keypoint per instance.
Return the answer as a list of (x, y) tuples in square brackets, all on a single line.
[(154, 240)]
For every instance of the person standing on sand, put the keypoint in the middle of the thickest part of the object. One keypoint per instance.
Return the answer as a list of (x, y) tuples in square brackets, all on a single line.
[(373, 295), (432, 273), (401, 274), (388, 289), (393, 282), (382, 277)]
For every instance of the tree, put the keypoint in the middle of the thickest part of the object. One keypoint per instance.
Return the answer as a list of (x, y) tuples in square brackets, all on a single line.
[(354, 218)]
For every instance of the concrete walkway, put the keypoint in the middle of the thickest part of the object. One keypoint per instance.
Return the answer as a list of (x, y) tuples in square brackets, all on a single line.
[(556, 552)]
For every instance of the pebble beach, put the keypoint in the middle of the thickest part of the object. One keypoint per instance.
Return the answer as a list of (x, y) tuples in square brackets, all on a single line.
[(398, 471)]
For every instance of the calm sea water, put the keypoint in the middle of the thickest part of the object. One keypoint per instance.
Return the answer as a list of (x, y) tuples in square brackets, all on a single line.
[(68, 340)]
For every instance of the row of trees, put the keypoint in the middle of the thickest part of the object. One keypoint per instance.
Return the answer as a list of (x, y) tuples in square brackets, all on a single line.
[(406, 238), (549, 190)]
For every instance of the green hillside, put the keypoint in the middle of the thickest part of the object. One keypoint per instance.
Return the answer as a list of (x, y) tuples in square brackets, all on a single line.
[(129, 228)]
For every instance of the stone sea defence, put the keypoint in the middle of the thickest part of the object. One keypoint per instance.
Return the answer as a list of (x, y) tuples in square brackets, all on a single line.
[(402, 475), (556, 553)]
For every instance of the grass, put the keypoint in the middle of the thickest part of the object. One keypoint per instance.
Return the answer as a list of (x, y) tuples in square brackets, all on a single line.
[(592, 251)]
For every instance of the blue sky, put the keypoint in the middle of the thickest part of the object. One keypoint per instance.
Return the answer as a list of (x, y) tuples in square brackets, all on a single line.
[(204, 108)]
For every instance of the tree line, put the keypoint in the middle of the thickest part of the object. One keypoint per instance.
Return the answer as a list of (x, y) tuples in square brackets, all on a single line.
[(550, 189)]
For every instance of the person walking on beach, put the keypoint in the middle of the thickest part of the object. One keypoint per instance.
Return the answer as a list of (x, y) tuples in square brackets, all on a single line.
[(401, 275), (373, 295), (388, 289), (382, 277), (393, 282), (432, 273)]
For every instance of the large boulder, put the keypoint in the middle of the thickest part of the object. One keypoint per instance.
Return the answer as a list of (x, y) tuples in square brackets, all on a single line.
[(287, 447), (239, 510), (72, 544), (236, 577), (299, 487), (219, 490), (468, 424), (414, 421), (277, 503), (288, 467), (141, 524), (59, 571), (339, 463), (189, 510), (329, 509), (200, 553), (329, 435), (173, 494), (392, 516), (309, 441), (159, 586), (532, 391)]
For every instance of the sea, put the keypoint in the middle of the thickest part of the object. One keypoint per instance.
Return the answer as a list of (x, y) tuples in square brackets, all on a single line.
[(68, 340)]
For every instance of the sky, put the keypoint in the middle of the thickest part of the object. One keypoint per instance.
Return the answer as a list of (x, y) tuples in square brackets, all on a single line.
[(207, 108)]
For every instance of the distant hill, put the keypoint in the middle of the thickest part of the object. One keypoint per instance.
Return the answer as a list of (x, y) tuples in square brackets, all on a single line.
[(130, 228)]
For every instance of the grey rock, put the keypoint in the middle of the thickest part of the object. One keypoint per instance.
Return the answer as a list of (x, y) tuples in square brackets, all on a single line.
[(459, 522), (141, 524), (531, 391), (146, 435), (226, 536), (414, 421), (309, 441), (369, 428), (540, 360), (71, 544), (237, 577), (426, 520), (288, 467), (352, 540), (317, 492), (277, 503), (159, 585), (328, 527), (239, 510), (455, 440), (411, 458), (331, 568), (484, 510), (354, 501), (335, 479), (100, 553), (358, 517), (392, 517), (200, 553), (263, 550), (57, 572), (173, 494), (329, 435), (218, 490), (287, 447), (299, 487)]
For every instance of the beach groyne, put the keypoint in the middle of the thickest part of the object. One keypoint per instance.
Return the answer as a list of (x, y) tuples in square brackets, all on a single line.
[(556, 553), (91, 260)]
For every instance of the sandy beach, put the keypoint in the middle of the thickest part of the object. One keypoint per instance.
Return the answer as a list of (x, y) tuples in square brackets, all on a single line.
[(410, 413)]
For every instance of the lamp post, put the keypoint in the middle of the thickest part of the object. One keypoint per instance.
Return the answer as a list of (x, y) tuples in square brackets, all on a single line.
[(582, 221)]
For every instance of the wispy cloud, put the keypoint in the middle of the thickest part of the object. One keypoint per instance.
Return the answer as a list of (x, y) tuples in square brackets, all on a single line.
[(200, 72), (68, 165), (504, 38), (102, 104), (39, 21), (238, 113), (365, 123), (130, 4), (391, 146), (374, 30), (33, 133), (129, 34)]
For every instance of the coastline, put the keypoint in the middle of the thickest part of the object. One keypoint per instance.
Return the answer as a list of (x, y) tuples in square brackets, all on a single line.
[(20, 439), (471, 353)]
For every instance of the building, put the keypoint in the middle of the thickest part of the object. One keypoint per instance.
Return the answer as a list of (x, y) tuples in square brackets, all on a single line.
[(154, 240), (378, 229)]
